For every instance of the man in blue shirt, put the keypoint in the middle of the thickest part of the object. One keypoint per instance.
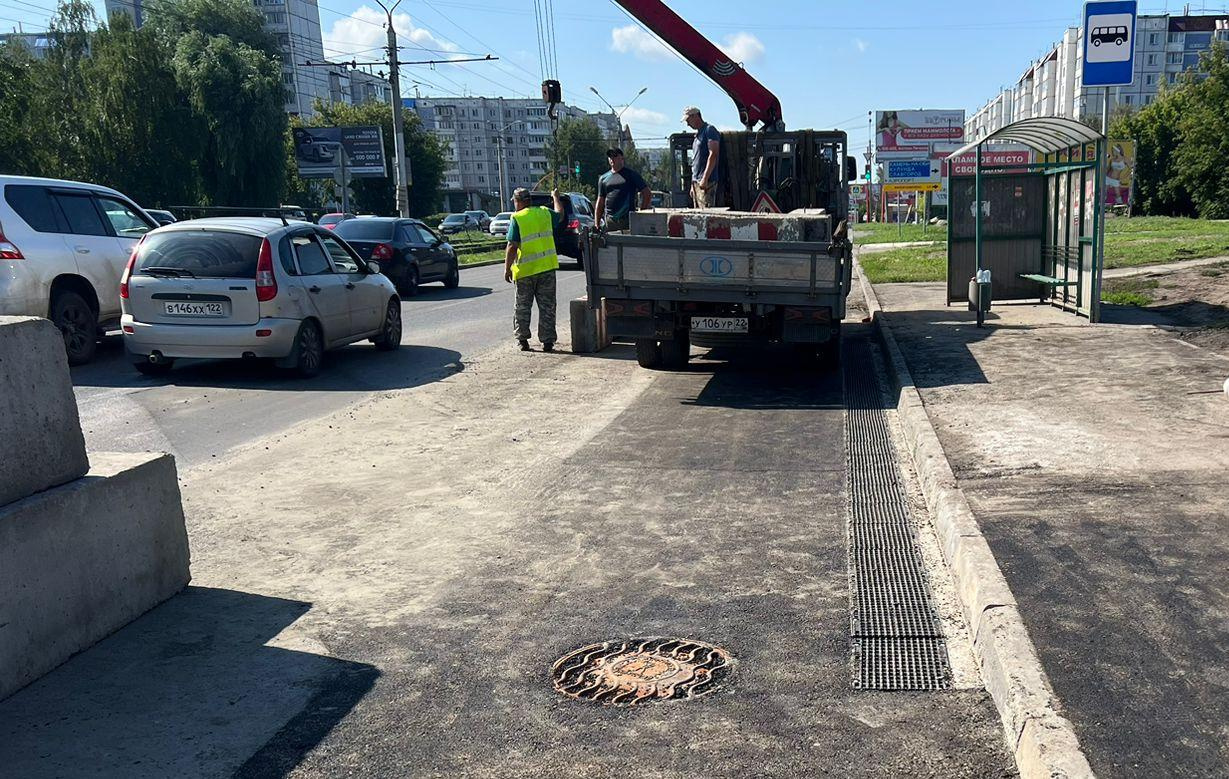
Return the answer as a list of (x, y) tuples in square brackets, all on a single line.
[(617, 192), (705, 153)]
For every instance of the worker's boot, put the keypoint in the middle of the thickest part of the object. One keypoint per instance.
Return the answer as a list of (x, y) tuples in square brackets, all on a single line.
[(549, 346), (525, 345)]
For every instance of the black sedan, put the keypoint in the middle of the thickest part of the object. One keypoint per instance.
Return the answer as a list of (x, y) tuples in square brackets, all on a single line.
[(408, 251)]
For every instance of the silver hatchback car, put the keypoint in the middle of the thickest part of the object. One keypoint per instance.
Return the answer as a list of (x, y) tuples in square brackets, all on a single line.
[(250, 287)]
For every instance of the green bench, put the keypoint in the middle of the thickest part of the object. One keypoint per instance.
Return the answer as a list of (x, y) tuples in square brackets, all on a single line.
[(1051, 280)]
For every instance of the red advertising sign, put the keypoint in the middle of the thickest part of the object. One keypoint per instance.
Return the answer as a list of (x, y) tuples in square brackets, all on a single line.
[(991, 161)]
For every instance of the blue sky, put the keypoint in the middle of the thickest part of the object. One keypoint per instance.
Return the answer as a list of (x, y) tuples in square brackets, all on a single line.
[(828, 62)]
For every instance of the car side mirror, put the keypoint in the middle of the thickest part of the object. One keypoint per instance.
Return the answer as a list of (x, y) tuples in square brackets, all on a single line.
[(851, 169), (373, 267)]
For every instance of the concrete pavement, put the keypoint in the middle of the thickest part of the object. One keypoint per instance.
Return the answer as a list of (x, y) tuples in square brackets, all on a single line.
[(1094, 460)]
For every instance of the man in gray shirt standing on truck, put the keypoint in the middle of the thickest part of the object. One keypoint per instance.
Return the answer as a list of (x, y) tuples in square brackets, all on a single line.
[(705, 152)]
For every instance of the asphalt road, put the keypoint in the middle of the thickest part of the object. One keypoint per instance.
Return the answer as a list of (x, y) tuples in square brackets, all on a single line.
[(205, 408)]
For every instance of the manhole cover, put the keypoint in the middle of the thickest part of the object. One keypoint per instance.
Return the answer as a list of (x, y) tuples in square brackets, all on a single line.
[(640, 670)]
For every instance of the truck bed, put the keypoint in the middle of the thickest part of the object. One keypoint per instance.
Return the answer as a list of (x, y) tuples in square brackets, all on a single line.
[(641, 267)]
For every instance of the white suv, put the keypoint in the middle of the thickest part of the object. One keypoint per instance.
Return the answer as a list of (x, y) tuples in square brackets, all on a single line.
[(63, 246), (251, 287)]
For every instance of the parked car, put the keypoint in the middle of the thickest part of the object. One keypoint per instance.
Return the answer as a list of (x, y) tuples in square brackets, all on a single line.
[(161, 217), (329, 221), (456, 223), (482, 217), (245, 287), (500, 222), (407, 251), (577, 221), (63, 246)]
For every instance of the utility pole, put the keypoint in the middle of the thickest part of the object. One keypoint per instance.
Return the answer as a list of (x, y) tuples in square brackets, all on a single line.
[(394, 78)]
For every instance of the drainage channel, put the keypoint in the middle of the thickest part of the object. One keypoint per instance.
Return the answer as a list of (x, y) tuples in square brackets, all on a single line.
[(895, 637)]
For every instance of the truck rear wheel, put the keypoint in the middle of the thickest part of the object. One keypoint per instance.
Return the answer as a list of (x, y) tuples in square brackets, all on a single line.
[(675, 353), (648, 353)]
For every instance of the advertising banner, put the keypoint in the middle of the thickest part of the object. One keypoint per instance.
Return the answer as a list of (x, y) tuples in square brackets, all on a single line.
[(1119, 173), (913, 134), (993, 160), (318, 151)]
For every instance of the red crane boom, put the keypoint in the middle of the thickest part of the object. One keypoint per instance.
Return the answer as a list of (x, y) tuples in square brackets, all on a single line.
[(756, 104)]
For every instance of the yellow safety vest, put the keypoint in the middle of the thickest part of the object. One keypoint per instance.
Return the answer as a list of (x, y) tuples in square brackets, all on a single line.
[(536, 253)]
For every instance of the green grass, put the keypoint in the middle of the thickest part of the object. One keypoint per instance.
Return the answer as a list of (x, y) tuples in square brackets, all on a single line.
[(1130, 291), (476, 257), (1154, 240), (879, 232), (916, 263)]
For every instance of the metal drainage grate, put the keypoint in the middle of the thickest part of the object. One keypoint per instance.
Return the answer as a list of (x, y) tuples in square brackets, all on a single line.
[(897, 643), (641, 670)]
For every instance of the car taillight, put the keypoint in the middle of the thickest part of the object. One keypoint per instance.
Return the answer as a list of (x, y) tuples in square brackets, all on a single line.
[(329, 226), (266, 283), (132, 263), (383, 251), (8, 250), (574, 224)]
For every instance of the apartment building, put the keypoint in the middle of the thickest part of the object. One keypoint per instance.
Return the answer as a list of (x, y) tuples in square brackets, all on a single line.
[(483, 133), (1165, 46)]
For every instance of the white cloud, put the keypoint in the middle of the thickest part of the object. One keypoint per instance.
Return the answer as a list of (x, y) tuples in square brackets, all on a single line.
[(635, 115), (743, 47), (861, 45), (359, 34), (635, 41)]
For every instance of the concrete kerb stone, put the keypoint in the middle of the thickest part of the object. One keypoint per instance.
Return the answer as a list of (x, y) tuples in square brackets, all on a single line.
[(1042, 740), (41, 445)]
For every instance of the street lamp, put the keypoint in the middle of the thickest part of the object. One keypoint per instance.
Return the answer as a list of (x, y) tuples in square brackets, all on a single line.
[(394, 77), (503, 192), (619, 114)]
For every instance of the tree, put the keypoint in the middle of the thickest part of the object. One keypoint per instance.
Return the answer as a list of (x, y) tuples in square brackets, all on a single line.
[(143, 137), (425, 152), (1204, 126), (237, 92), (20, 151), (578, 141)]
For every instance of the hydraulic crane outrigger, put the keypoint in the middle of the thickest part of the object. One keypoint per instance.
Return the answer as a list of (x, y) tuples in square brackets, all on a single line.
[(756, 104)]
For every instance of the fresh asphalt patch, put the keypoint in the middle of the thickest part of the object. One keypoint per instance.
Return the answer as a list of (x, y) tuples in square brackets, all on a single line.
[(718, 522)]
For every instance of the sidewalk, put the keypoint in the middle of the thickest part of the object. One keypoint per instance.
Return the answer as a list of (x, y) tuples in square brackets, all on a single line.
[(1095, 459)]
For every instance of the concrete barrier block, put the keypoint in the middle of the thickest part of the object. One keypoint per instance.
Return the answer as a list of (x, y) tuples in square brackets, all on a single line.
[(80, 561), (588, 327), (41, 445)]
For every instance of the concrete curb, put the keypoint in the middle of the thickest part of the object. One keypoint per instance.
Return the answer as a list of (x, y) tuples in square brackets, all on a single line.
[(1042, 740), (482, 264)]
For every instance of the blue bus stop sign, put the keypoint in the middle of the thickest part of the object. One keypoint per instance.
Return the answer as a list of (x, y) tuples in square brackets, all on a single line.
[(1109, 43)]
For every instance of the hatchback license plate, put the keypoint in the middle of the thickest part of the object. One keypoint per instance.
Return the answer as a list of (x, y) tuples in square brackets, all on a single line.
[(719, 324), (180, 308)]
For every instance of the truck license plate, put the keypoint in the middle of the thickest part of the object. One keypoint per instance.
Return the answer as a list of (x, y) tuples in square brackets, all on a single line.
[(179, 308), (719, 324)]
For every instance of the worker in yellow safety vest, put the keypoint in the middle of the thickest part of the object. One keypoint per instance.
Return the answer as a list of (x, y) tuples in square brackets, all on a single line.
[(530, 262)]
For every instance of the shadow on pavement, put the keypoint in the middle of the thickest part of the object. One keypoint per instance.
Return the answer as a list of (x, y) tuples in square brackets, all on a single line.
[(358, 367), (192, 688), (1191, 313), (769, 378), (432, 293)]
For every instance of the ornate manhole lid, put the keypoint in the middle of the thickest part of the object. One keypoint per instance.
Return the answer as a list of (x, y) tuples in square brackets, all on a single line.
[(640, 670)]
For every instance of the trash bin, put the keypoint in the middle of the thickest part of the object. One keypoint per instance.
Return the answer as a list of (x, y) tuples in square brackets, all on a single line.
[(979, 294)]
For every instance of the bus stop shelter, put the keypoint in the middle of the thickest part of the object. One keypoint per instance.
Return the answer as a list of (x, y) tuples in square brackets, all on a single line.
[(1037, 226)]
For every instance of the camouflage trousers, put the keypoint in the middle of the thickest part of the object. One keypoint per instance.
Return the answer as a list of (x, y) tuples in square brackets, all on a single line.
[(539, 287)]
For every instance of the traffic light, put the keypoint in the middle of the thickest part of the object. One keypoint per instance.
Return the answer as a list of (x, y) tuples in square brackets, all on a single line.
[(868, 175), (576, 169)]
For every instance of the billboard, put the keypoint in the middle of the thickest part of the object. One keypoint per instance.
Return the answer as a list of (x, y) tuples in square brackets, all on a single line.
[(318, 151), (912, 134)]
